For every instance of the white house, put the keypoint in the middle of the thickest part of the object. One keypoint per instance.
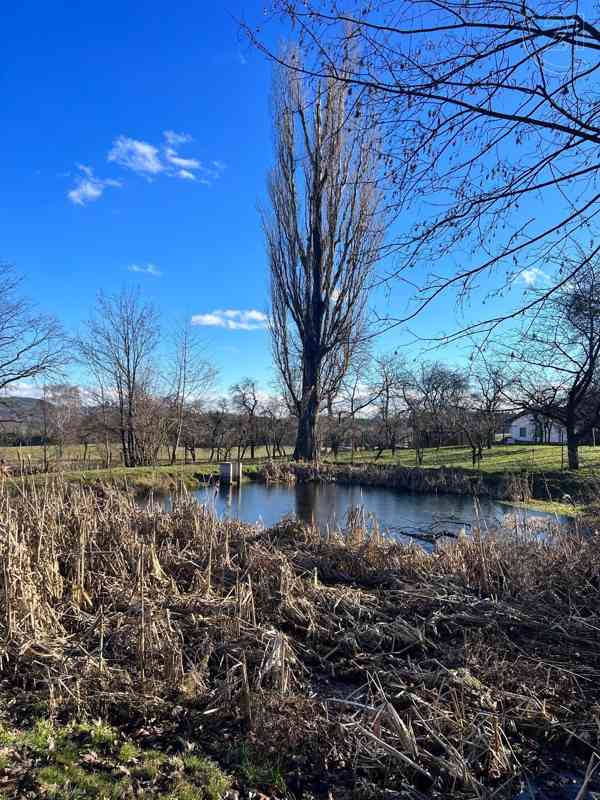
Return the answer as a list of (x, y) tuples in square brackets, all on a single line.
[(534, 429)]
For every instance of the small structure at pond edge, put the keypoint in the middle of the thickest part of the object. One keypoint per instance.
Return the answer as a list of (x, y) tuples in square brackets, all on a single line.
[(230, 472)]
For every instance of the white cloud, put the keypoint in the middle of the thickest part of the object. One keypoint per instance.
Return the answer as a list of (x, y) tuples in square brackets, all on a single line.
[(185, 163), (88, 187), (533, 276), (149, 269), (147, 160), (173, 138), (138, 156), (233, 319), (22, 389)]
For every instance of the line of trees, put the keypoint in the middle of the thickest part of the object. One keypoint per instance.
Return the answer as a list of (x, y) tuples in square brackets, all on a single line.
[(146, 401)]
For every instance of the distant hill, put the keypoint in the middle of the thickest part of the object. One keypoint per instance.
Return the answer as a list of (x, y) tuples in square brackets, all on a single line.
[(20, 409)]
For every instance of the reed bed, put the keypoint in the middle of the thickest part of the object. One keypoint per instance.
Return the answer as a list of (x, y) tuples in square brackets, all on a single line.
[(362, 667), (520, 486), (436, 480)]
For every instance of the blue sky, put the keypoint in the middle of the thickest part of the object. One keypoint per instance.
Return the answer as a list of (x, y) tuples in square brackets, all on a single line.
[(80, 83), (136, 140)]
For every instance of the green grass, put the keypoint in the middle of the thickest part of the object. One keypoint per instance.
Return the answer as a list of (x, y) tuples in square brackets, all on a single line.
[(162, 477), (538, 460), (501, 458), (73, 454), (505, 458), (158, 478), (86, 761), (257, 770)]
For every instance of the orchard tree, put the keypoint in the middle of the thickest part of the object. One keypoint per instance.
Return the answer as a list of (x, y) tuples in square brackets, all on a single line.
[(189, 379)]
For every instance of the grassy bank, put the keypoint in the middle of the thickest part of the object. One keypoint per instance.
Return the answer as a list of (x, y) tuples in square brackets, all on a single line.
[(170, 652), (76, 457), (497, 460), (534, 473), (138, 479), (544, 466)]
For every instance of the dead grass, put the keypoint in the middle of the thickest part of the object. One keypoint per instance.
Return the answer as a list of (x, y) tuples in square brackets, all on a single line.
[(346, 665)]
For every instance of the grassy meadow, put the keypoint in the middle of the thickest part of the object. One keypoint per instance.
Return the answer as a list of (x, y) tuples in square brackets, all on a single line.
[(75, 456), (499, 459)]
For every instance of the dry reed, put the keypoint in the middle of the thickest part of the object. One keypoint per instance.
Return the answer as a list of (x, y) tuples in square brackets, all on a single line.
[(363, 663)]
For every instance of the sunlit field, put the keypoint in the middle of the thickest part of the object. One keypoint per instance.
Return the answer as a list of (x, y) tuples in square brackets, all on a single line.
[(76, 457), (502, 458)]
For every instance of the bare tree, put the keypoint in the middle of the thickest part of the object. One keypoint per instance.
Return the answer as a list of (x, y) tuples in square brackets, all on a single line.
[(117, 346), (491, 123), (277, 423), (32, 345), (557, 359), (63, 404), (191, 376), (490, 383), (245, 401), (469, 418), (218, 430), (323, 233), (438, 389), (357, 394), (390, 421)]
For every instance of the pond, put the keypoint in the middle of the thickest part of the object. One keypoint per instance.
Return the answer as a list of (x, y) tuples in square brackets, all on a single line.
[(328, 504)]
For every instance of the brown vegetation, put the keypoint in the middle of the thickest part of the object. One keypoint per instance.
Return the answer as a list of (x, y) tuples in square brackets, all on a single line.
[(519, 488), (353, 662)]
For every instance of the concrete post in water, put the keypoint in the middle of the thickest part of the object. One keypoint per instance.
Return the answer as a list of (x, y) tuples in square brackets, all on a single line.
[(226, 473), (236, 473)]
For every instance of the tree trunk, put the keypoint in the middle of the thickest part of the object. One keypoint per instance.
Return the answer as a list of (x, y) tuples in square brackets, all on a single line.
[(306, 438), (572, 448)]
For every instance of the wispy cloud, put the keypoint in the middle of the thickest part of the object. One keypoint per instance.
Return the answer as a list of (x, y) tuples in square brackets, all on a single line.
[(174, 139), (150, 160), (531, 277), (88, 187), (148, 269), (185, 163), (138, 156), (232, 319)]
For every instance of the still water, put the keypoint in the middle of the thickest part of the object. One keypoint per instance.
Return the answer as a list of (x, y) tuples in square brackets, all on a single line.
[(328, 504)]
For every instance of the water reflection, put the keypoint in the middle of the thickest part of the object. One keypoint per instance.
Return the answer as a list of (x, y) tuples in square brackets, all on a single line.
[(306, 501), (328, 504)]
